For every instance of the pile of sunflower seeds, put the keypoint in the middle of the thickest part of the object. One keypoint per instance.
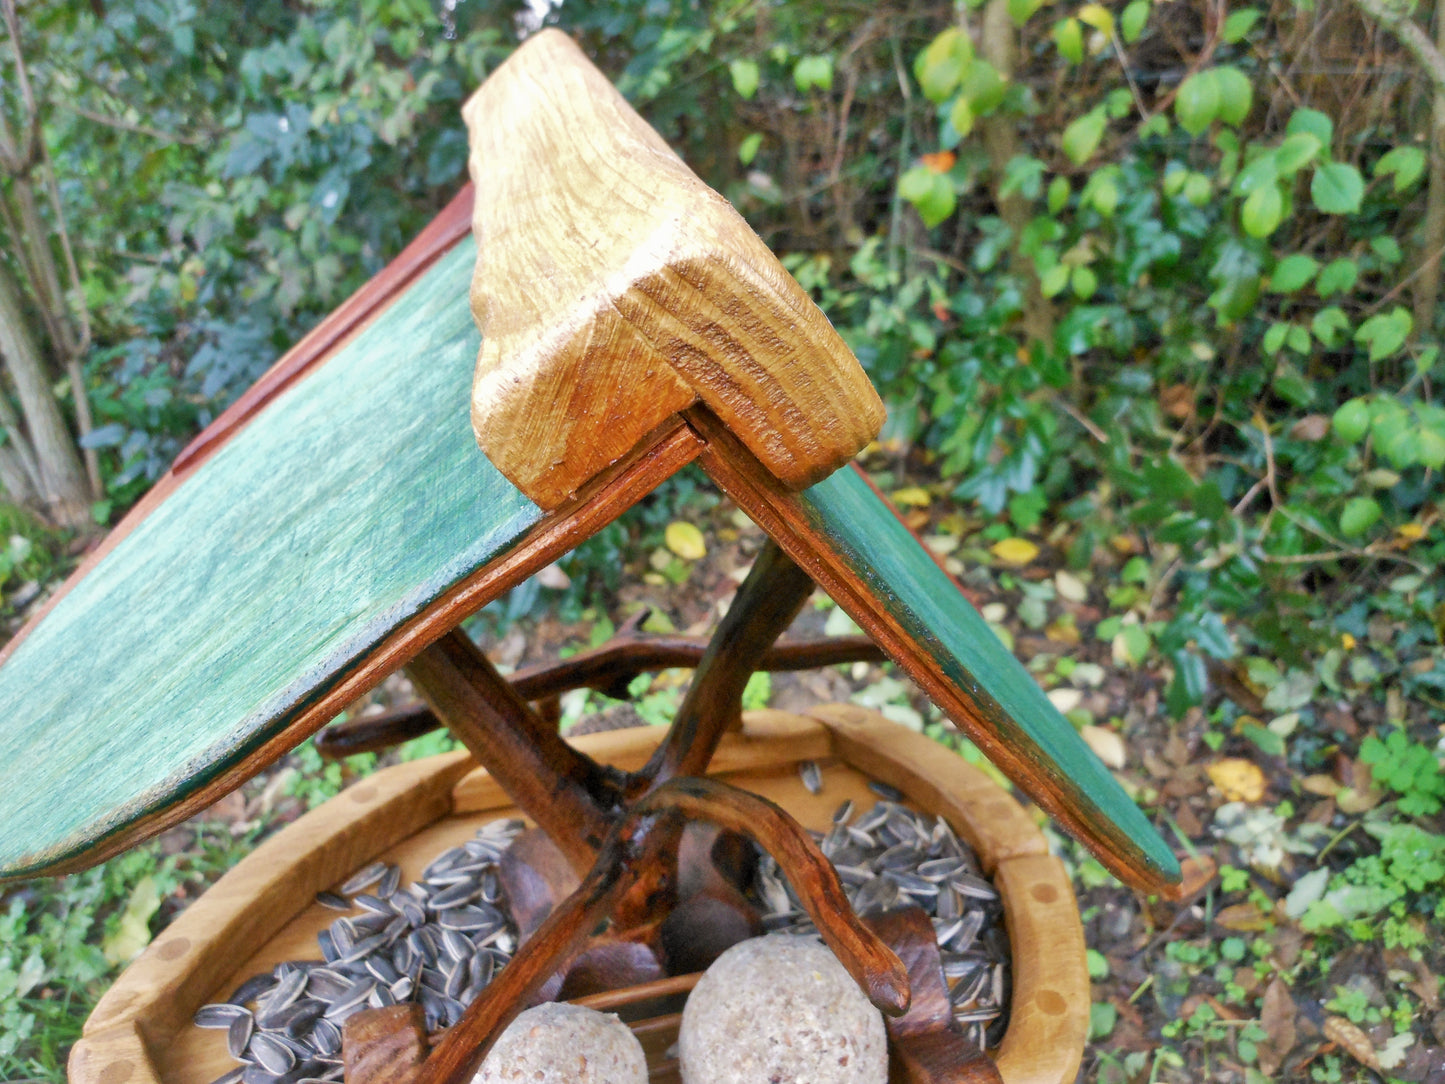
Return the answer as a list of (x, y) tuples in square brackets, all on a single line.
[(892, 856), (440, 940), (437, 942)]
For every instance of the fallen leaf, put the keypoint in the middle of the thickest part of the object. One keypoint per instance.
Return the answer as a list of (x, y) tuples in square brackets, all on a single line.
[(912, 496), (1063, 632), (1243, 918), (1356, 800), (1326, 786), (554, 578), (941, 545), (1239, 780), (1065, 699), (1276, 1016), (1014, 551), (1070, 587), (685, 540), (1106, 744), (1195, 872), (1352, 1041)]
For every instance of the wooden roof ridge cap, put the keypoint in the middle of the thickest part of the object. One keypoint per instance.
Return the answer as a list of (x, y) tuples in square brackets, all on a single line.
[(439, 236), (614, 288)]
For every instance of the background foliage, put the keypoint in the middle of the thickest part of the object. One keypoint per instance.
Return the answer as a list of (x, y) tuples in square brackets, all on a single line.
[(1152, 286)]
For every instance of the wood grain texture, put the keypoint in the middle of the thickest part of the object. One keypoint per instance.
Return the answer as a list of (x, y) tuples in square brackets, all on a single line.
[(853, 544), (1049, 1007), (615, 289)]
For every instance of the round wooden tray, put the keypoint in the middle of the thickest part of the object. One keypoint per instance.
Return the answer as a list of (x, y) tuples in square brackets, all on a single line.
[(141, 1031)]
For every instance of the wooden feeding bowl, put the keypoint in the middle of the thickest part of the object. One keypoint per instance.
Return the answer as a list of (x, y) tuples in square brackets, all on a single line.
[(263, 911), (338, 523)]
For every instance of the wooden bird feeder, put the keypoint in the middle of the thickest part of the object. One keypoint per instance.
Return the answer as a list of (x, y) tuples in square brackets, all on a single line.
[(337, 523)]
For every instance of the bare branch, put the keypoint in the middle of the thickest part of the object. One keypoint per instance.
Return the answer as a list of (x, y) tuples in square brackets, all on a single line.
[(190, 140), (1409, 34), (22, 155)]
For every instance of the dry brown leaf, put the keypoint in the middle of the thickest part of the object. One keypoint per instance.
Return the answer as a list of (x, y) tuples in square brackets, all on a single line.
[(1353, 800), (1352, 1041), (1312, 427), (1276, 1016), (1106, 744), (1197, 872), (1239, 780), (1326, 786), (1243, 917)]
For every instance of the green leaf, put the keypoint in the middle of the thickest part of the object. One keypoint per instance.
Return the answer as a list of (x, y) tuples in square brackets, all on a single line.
[(1386, 248), (961, 116), (1197, 103), (1022, 174), (1351, 421), (1296, 152), (1358, 516), (1021, 10), (1293, 273), (1197, 189), (983, 86), (1069, 38), (1431, 451), (940, 66), (1084, 282), (1235, 94), (1059, 191), (1386, 332), (814, 71), (1329, 324), (930, 193), (1338, 277), (1239, 23), (1133, 21), (1405, 163), (1262, 172), (748, 148), (1082, 136), (1053, 281), (1314, 122), (1263, 211), (1337, 188), (1274, 338), (746, 77), (1298, 339)]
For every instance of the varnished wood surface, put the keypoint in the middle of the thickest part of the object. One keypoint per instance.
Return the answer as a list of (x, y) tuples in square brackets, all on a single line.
[(852, 543), (262, 912), (615, 289), (247, 611)]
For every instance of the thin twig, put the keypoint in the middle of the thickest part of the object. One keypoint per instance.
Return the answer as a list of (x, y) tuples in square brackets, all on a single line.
[(131, 126)]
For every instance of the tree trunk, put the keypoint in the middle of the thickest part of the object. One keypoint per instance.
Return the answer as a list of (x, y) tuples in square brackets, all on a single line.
[(63, 490), (998, 45), (1427, 286)]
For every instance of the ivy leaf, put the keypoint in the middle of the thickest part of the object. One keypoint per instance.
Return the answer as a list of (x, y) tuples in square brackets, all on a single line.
[(1082, 136), (1405, 163), (746, 77), (1386, 332), (1337, 188), (1338, 277), (1263, 211), (1198, 102), (1293, 273), (1329, 324)]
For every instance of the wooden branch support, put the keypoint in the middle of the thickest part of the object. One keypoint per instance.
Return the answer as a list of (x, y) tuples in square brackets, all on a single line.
[(609, 669)]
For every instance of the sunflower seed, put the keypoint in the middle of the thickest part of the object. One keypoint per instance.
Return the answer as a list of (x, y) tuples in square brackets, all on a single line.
[(272, 1055), (231, 1077), (811, 776), (239, 1034), (375, 904), (218, 1016), (883, 790), (363, 878), (333, 901), (454, 896), (351, 998), (389, 882)]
